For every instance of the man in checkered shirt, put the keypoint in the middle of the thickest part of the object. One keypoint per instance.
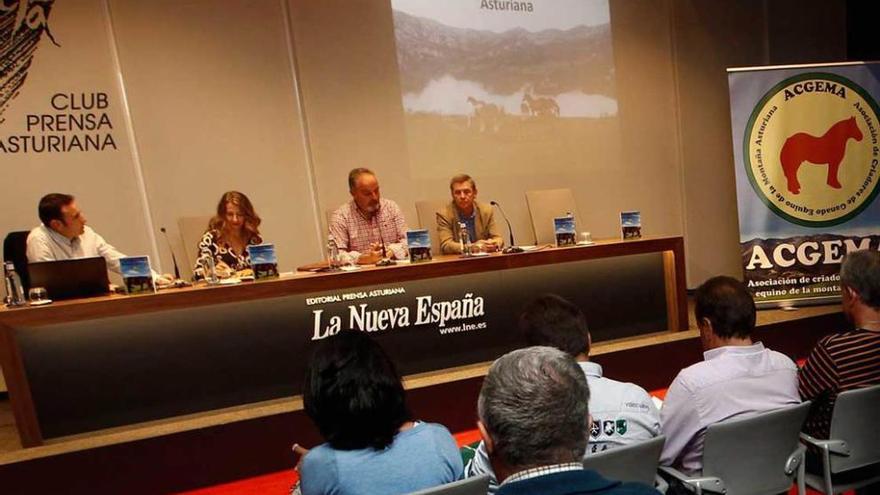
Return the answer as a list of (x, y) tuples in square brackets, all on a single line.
[(368, 224)]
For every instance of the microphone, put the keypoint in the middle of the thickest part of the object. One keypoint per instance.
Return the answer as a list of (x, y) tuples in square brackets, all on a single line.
[(512, 248), (386, 260), (382, 241), (173, 258)]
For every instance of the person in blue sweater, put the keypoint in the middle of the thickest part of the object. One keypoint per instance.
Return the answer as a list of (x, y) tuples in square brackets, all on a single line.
[(373, 446)]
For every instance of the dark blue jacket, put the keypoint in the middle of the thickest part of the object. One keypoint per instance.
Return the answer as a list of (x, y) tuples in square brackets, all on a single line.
[(574, 483)]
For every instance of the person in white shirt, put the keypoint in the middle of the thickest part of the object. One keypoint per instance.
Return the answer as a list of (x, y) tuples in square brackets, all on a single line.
[(64, 235), (737, 377), (622, 413)]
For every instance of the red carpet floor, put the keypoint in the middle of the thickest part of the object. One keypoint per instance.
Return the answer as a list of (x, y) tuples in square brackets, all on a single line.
[(279, 483)]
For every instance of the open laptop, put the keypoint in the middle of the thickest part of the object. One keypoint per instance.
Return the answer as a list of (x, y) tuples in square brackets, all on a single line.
[(69, 279)]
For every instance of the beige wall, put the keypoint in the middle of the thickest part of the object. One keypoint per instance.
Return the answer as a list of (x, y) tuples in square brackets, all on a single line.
[(213, 106), (709, 37), (348, 71), (218, 100), (347, 67), (107, 182)]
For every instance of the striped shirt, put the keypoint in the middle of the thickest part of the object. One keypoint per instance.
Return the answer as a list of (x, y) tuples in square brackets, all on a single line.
[(839, 362)]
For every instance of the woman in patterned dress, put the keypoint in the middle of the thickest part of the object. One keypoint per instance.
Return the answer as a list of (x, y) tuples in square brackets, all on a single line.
[(230, 232)]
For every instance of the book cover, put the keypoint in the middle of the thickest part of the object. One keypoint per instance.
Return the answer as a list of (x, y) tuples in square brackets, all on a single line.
[(419, 243), (631, 224), (136, 274), (565, 231), (264, 261)]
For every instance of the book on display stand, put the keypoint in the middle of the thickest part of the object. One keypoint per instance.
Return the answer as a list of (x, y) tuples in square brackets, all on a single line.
[(419, 243), (566, 235), (264, 261), (137, 275), (631, 225)]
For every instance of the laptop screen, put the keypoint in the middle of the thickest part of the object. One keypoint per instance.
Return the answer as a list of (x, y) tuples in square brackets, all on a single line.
[(69, 279)]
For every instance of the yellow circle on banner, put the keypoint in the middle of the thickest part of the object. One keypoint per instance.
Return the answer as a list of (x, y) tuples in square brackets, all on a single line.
[(810, 149)]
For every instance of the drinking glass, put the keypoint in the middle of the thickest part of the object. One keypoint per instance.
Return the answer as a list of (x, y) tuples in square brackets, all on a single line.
[(38, 295)]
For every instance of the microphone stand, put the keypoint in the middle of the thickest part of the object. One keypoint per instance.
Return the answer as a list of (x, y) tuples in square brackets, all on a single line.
[(173, 258), (385, 261), (512, 248)]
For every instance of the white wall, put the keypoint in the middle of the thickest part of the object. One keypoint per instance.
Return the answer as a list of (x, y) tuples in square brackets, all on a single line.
[(280, 98)]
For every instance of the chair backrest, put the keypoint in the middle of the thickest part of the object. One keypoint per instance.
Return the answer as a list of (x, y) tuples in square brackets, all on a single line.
[(750, 454), (853, 421), (636, 462), (427, 213), (15, 250), (544, 206), (191, 231), (478, 485)]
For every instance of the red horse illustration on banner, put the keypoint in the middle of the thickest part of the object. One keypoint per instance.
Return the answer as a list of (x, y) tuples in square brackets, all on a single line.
[(828, 149)]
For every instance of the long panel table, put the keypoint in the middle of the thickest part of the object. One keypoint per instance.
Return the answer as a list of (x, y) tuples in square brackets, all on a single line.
[(85, 365)]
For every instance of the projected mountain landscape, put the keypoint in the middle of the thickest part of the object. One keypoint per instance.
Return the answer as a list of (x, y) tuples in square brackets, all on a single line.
[(506, 92), (548, 62)]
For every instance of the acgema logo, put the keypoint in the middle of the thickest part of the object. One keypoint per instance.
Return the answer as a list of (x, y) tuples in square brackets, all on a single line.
[(22, 23), (810, 149)]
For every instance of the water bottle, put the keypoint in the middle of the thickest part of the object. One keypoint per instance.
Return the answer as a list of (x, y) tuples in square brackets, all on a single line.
[(8, 299), (14, 289), (332, 253), (464, 239), (210, 270)]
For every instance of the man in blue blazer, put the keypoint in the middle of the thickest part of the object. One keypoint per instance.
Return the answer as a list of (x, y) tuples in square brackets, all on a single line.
[(534, 420)]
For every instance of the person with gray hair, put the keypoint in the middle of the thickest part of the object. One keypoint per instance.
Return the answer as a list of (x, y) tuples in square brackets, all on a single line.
[(534, 419), (623, 413), (846, 360)]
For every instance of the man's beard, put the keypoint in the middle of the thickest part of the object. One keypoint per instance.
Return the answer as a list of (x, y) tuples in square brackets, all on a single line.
[(369, 210)]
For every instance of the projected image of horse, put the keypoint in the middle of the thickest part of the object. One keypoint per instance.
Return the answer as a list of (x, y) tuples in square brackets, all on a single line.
[(828, 149)]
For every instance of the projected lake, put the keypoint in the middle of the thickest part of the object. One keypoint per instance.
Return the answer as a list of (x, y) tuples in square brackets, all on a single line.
[(512, 90)]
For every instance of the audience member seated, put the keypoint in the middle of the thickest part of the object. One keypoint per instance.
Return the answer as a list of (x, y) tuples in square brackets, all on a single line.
[(847, 360), (235, 227), (355, 398), (64, 235), (737, 377), (622, 413), (368, 227), (534, 420), (479, 218)]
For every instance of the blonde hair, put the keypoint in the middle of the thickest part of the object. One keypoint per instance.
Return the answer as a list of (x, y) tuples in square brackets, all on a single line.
[(251, 220)]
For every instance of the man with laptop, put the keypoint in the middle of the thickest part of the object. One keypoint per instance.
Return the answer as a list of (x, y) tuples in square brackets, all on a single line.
[(64, 235)]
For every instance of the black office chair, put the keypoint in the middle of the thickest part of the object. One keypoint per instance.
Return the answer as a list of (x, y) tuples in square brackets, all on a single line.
[(15, 250)]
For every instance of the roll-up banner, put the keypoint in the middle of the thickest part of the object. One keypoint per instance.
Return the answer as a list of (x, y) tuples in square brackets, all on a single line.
[(806, 155)]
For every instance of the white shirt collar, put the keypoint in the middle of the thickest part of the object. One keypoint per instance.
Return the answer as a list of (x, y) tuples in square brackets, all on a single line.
[(591, 369), (60, 239), (733, 349)]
